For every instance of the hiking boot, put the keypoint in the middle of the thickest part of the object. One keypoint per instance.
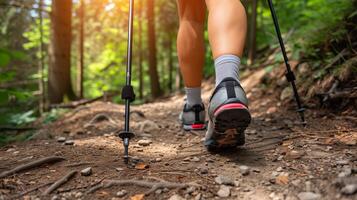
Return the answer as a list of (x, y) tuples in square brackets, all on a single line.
[(193, 117), (228, 116)]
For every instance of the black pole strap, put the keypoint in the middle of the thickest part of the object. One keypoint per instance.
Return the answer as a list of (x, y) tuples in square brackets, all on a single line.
[(290, 76)]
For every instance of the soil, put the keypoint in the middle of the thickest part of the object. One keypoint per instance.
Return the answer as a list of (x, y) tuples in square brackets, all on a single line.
[(284, 159)]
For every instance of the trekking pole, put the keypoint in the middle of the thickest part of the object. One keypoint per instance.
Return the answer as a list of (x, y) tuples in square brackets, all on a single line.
[(290, 76), (128, 92)]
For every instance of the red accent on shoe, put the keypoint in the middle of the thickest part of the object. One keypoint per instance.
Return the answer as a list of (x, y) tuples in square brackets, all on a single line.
[(197, 126), (229, 107)]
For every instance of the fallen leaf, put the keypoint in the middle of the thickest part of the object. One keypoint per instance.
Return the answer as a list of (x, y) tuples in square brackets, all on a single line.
[(282, 180), (137, 197), (348, 138), (141, 166)]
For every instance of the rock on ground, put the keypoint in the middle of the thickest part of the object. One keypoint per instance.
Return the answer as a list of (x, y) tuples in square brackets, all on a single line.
[(309, 196)]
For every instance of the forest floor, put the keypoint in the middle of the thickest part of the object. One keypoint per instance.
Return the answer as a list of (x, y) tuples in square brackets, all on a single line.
[(281, 159)]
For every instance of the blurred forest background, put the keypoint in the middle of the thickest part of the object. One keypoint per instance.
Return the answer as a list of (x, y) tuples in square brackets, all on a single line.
[(56, 54)]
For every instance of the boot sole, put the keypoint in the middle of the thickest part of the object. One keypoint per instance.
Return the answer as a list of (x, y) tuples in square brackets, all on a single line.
[(229, 124)]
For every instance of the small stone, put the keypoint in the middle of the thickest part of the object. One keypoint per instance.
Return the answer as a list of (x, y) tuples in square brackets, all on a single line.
[(78, 194), (256, 170), (296, 182), (224, 180), (198, 196), (119, 169), (55, 197), (279, 169), (204, 170), (158, 160), (224, 191), (10, 150), (87, 171), (158, 191), (61, 139), (121, 193), (236, 183), (342, 162), (244, 170), (176, 197), (349, 189), (309, 196), (346, 172), (308, 186), (190, 190), (144, 142), (69, 142), (195, 159)]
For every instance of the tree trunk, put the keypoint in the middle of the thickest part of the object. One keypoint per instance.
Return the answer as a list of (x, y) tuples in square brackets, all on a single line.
[(154, 77), (252, 33), (140, 51), (41, 82), (170, 64), (81, 50), (59, 76)]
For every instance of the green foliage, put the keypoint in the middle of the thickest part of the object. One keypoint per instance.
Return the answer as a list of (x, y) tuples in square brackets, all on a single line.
[(53, 115), (23, 118), (7, 138)]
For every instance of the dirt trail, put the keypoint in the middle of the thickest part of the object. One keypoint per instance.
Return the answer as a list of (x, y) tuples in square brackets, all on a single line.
[(281, 159)]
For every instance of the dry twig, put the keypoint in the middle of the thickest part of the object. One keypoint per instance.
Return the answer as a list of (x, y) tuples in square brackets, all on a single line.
[(31, 165), (148, 184), (60, 182)]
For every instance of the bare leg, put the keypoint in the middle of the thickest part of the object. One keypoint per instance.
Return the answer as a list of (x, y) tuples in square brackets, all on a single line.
[(227, 27), (190, 41)]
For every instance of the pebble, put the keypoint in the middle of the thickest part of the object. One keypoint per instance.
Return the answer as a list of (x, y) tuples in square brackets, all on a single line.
[(342, 162), (176, 197), (55, 197), (119, 169), (345, 172), (244, 170), (198, 196), (87, 171), (158, 191), (349, 189), (69, 142), (279, 169), (308, 186), (144, 142), (309, 196), (224, 180), (61, 139), (121, 193), (195, 159), (78, 195), (224, 191), (204, 170), (158, 160)]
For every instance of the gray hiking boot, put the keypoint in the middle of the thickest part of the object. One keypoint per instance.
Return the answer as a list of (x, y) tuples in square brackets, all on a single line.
[(193, 117), (228, 116)]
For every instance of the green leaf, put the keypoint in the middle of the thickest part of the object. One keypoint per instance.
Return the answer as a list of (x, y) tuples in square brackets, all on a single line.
[(4, 58)]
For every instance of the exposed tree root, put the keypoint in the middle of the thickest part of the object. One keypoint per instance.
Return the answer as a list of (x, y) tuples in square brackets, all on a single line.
[(31, 190), (101, 117), (31, 165), (148, 184), (60, 182)]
